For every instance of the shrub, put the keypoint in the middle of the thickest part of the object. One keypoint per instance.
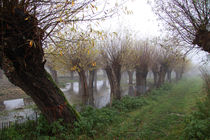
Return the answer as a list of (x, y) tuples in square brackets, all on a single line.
[(198, 124), (128, 103)]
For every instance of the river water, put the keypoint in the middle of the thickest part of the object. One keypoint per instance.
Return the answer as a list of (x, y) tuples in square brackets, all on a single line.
[(19, 108)]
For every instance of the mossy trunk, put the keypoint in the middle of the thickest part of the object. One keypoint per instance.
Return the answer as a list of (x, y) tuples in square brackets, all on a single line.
[(22, 60)]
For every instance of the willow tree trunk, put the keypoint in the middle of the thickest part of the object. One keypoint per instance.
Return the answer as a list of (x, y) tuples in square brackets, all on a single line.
[(84, 87), (22, 60), (178, 75), (141, 81), (116, 70), (155, 75), (111, 82), (130, 77), (90, 86), (161, 76), (169, 75), (130, 82)]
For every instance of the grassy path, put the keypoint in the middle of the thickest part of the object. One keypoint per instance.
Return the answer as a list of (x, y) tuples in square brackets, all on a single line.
[(163, 117)]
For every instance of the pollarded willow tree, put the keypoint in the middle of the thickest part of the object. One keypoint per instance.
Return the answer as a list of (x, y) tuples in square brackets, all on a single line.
[(170, 52), (188, 19), (25, 26), (128, 62), (112, 53), (79, 56), (143, 54), (182, 64)]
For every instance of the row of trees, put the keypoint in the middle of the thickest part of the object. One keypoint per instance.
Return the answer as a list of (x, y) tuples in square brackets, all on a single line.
[(116, 54), (26, 26)]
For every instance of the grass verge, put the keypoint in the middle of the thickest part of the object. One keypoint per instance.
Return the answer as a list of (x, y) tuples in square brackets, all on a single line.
[(161, 114)]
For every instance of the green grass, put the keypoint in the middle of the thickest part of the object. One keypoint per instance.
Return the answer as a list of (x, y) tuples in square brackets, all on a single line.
[(161, 114), (163, 117)]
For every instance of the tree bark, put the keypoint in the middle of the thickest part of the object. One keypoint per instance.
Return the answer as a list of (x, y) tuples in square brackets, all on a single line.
[(130, 83), (178, 75), (22, 60), (91, 82), (111, 82), (141, 81), (116, 70), (169, 75), (155, 75), (162, 75), (84, 87), (130, 77)]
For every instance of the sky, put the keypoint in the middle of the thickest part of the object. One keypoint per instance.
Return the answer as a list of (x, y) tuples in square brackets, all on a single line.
[(143, 22)]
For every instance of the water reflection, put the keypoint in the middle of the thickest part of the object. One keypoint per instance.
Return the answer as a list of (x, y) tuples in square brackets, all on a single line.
[(101, 97), (101, 93)]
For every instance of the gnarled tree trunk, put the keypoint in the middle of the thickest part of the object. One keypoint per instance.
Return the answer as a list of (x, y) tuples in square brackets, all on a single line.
[(90, 86), (111, 82), (141, 80), (161, 76), (21, 58), (130, 77), (130, 82), (178, 75), (155, 75), (169, 75), (116, 70), (84, 86)]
